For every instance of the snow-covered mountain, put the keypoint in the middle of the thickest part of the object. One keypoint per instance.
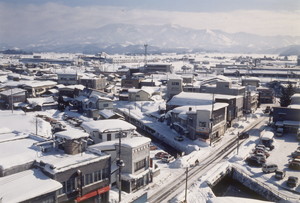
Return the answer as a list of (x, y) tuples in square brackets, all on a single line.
[(129, 38)]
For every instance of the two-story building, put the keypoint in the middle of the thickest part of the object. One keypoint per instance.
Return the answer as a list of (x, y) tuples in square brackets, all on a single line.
[(107, 130)]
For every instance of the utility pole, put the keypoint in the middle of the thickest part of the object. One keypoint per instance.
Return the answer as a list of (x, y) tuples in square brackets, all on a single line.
[(120, 164), (36, 125), (12, 101), (211, 119), (238, 144), (186, 181)]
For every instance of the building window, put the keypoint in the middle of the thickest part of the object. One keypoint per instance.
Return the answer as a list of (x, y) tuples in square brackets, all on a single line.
[(88, 179), (105, 105), (139, 165), (137, 96), (202, 124), (108, 137), (70, 185), (175, 83)]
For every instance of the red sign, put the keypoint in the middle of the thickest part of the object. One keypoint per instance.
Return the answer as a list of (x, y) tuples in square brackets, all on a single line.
[(92, 194)]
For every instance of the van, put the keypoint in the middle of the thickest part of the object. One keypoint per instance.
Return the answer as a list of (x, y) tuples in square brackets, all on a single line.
[(267, 139), (269, 168)]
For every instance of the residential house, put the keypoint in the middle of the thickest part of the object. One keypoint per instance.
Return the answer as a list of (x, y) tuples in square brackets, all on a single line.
[(205, 122), (12, 97), (93, 82), (37, 88), (106, 130)]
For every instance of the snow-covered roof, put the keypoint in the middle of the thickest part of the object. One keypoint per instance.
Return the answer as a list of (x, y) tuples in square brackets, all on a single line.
[(107, 125), (81, 87), (190, 98), (135, 141), (40, 100), (56, 163), (21, 153), (26, 185), (106, 113), (251, 79), (12, 91), (71, 134), (9, 136), (193, 109), (37, 83), (233, 200)]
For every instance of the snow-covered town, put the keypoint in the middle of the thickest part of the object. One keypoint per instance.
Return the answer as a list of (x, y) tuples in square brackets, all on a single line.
[(149, 104)]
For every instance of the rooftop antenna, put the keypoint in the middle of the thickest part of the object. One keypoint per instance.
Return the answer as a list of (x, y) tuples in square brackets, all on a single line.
[(146, 46)]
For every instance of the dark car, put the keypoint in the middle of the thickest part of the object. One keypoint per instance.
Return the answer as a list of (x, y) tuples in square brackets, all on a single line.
[(292, 181), (160, 155), (295, 164), (243, 135), (255, 161), (279, 174)]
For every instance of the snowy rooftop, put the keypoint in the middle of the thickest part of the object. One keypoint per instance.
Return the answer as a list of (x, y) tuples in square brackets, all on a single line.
[(193, 109), (135, 141), (12, 91), (107, 113), (71, 134), (22, 152), (26, 185), (40, 100), (37, 83), (107, 125), (58, 162), (189, 98)]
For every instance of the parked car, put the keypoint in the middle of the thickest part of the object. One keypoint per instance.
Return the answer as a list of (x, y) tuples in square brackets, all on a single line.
[(279, 174), (260, 156), (179, 138), (267, 109), (255, 161), (160, 155), (167, 158), (269, 168), (263, 147), (261, 151), (292, 181), (295, 164), (296, 154), (243, 135)]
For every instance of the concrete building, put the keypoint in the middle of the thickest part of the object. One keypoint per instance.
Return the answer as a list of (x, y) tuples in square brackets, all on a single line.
[(155, 68), (174, 86), (98, 83), (135, 153)]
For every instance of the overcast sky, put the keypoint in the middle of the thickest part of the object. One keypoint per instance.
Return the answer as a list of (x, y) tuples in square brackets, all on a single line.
[(264, 17)]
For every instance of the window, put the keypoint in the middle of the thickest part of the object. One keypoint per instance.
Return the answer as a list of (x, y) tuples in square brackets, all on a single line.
[(97, 175), (175, 83), (108, 137), (70, 185), (202, 124), (139, 165), (105, 105), (88, 179)]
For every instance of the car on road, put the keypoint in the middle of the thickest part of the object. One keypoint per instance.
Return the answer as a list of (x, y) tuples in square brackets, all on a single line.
[(280, 174), (179, 138), (160, 155), (167, 158), (292, 181), (269, 168), (243, 135)]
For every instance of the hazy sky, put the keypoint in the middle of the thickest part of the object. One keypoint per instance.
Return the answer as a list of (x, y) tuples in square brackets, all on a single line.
[(264, 17)]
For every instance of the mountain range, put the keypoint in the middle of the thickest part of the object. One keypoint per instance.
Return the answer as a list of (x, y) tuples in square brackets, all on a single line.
[(130, 38)]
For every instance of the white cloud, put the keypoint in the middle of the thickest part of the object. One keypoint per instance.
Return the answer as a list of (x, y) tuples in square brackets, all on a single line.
[(52, 17)]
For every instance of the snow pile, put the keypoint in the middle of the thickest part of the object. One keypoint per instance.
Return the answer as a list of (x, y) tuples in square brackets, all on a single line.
[(189, 160)]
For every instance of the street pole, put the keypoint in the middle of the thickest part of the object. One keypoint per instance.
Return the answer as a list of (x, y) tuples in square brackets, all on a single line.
[(211, 120), (120, 183), (186, 181), (12, 101), (238, 144)]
